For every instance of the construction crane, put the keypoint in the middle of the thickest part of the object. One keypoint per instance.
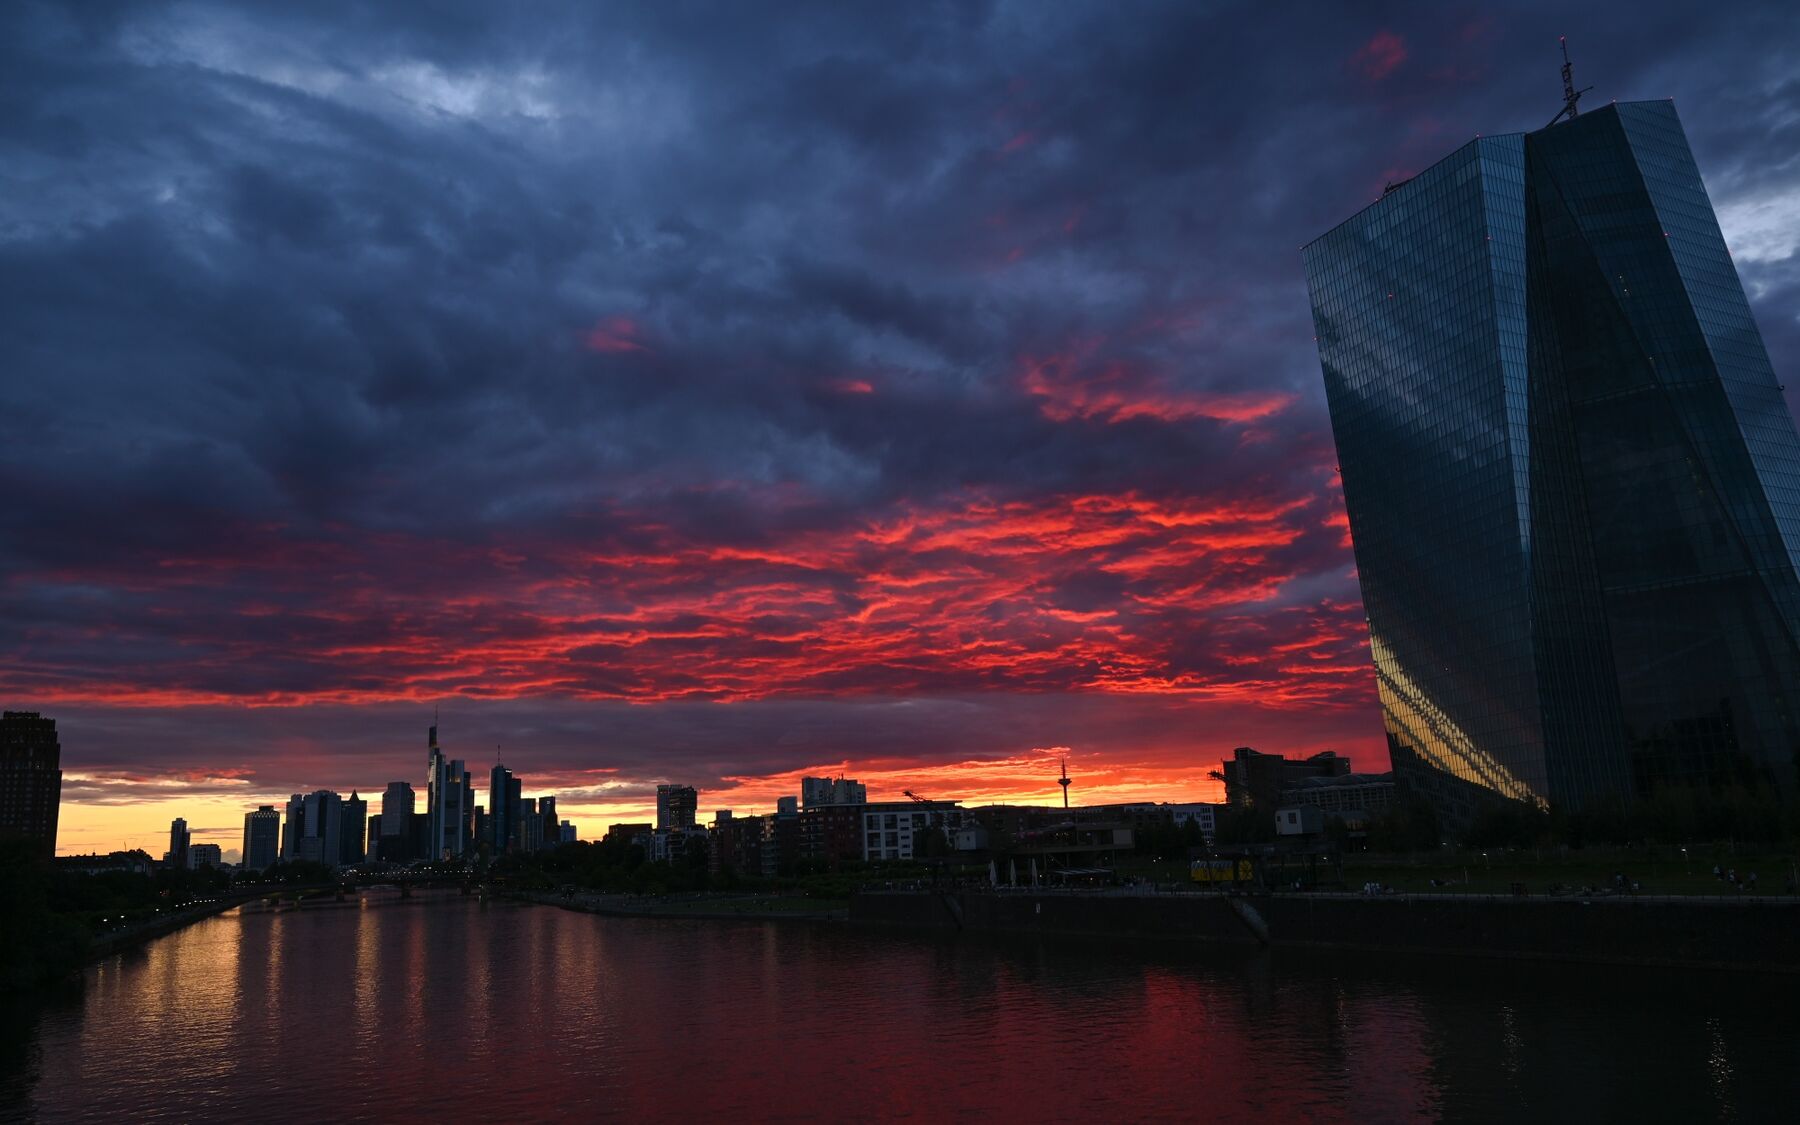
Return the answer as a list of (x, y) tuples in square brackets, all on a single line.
[(1571, 96), (1064, 782), (916, 797)]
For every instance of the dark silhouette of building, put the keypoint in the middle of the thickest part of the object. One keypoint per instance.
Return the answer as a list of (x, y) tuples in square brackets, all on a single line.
[(290, 827), (676, 806), (449, 802), (30, 777), (1253, 778), (262, 838), (1572, 480), (628, 832), (1353, 792), (179, 840), (830, 833), (393, 842), (353, 826), (736, 843), (315, 831), (551, 830), (420, 837), (504, 794), (817, 791)]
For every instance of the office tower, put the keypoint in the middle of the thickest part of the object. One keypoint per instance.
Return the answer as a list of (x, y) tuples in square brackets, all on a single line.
[(30, 778), (449, 802), (204, 855), (291, 827), (396, 808), (179, 839), (550, 835), (1572, 481), (676, 806), (353, 825), (503, 808), (816, 792), (319, 837), (530, 833), (419, 836), (566, 833), (262, 838)]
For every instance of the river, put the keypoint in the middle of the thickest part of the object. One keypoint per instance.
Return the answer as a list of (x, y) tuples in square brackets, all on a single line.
[(384, 1009)]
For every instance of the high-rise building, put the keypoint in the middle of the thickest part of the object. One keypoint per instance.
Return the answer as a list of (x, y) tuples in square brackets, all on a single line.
[(320, 834), (352, 825), (30, 777), (816, 792), (551, 832), (262, 838), (449, 802), (566, 833), (676, 806), (179, 839), (504, 789), (291, 827), (419, 836), (204, 855), (397, 803), (531, 826), (1572, 481)]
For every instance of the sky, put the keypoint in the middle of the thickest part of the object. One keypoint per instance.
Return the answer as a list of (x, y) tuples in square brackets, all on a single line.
[(723, 393)]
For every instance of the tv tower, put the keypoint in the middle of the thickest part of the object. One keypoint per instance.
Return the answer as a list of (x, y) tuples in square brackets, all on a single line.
[(1064, 782)]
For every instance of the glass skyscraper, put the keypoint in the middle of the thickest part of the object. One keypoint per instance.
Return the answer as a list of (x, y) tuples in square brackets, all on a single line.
[(1572, 481)]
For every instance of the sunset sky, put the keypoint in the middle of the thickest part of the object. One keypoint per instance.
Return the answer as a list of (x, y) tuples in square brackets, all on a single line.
[(723, 393)]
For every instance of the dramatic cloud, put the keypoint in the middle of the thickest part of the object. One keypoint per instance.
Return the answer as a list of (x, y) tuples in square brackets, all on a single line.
[(720, 393)]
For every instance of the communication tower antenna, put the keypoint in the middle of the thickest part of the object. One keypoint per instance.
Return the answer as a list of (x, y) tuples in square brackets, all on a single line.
[(1064, 782), (1571, 96)]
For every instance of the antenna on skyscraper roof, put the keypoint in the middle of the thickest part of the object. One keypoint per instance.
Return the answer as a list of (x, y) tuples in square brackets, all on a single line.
[(1571, 96)]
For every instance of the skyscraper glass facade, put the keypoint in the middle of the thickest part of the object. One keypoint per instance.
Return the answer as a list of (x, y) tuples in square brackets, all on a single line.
[(1572, 481)]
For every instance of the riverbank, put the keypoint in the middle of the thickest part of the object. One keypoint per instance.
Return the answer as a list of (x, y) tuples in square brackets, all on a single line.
[(1751, 934), (117, 941), (748, 907)]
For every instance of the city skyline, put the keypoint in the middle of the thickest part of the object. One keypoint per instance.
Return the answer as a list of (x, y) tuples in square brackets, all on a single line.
[(1027, 460)]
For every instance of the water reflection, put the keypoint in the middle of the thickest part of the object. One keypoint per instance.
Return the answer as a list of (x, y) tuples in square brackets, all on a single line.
[(389, 1009)]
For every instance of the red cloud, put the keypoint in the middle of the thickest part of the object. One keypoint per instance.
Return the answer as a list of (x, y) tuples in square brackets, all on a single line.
[(1081, 593), (1380, 56), (1069, 389), (615, 334)]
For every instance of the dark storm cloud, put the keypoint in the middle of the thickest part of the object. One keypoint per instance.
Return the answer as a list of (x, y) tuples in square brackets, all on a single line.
[(338, 339)]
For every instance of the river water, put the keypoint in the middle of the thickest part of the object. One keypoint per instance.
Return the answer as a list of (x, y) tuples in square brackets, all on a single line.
[(441, 1007)]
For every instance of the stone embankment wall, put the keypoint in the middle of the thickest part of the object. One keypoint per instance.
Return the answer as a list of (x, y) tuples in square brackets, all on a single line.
[(1760, 934)]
